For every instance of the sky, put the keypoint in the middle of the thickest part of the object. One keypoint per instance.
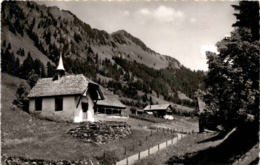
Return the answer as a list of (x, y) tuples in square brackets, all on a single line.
[(181, 29)]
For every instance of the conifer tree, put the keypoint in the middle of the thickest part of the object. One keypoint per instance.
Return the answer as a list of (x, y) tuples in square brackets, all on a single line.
[(248, 17)]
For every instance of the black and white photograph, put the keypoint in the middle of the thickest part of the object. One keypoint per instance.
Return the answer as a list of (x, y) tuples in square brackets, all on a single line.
[(130, 82)]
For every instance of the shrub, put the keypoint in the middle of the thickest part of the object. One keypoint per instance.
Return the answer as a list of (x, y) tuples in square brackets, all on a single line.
[(22, 100)]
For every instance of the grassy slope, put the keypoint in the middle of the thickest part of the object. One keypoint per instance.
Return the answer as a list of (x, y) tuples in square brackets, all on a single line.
[(183, 96), (17, 42), (187, 144), (29, 137)]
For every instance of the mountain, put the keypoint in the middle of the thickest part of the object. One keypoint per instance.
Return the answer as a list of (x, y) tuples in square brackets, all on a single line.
[(133, 48), (35, 35), (51, 28)]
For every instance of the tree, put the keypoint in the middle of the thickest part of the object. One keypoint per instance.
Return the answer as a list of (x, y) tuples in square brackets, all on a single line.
[(126, 76), (145, 98), (22, 100), (248, 17), (50, 70), (151, 100), (9, 46), (232, 80), (4, 43), (37, 66), (9, 64), (42, 71), (27, 66), (32, 78), (97, 64), (17, 67)]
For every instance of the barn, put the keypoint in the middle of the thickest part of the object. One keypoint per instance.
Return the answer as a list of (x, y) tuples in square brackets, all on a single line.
[(65, 97), (159, 110)]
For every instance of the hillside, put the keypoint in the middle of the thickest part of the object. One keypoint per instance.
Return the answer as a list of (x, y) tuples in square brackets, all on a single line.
[(35, 35)]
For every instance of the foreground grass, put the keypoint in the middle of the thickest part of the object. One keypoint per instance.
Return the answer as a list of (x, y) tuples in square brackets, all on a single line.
[(187, 144), (26, 136)]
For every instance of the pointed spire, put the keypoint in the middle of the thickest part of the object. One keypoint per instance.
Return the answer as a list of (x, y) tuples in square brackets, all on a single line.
[(60, 65)]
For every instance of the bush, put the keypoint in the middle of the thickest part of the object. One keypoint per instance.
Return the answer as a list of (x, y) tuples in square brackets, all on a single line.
[(22, 100)]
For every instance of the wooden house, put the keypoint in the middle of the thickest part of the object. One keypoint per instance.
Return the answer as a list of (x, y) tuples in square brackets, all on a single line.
[(159, 110), (65, 97), (110, 105)]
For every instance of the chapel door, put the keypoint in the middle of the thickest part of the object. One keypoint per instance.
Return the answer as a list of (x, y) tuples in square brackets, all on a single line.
[(84, 107)]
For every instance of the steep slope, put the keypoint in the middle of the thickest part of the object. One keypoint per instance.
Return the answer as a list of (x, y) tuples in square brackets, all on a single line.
[(18, 42), (132, 48)]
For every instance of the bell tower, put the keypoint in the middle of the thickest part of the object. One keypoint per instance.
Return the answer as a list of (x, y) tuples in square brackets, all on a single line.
[(60, 69)]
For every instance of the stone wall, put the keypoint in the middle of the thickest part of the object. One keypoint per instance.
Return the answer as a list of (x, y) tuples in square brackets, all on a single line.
[(7, 160), (101, 132)]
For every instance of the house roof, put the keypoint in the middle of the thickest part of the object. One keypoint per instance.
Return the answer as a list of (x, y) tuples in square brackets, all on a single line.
[(65, 85), (156, 107), (110, 100)]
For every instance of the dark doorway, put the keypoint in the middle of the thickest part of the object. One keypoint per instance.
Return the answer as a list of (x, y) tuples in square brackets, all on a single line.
[(84, 107)]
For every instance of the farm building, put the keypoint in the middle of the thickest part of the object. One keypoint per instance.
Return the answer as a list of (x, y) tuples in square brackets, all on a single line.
[(110, 105), (65, 97), (159, 110)]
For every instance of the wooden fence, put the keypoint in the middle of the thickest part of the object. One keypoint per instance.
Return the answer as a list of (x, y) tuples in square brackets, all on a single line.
[(151, 150)]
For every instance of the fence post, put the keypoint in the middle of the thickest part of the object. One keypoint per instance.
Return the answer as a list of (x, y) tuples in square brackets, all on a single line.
[(148, 151), (127, 161), (166, 142), (138, 156), (158, 147), (146, 137), (125, 150), (172, 141)]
